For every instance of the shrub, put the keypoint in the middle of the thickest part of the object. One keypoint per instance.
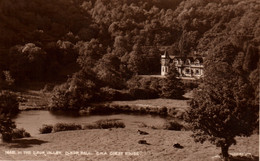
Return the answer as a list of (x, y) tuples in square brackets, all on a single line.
[(20, 133), (108, 123), (66, 127), (45, 129), (163, 111), (105, 124), (26, 134), (173, 125), (141, 93), (90, 126), (172, 112), (190, 85), (109, 94), (8, 103), (7, 137), (6, 128)]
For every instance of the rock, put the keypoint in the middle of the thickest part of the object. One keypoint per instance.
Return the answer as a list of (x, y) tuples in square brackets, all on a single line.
[(143, 132), (143, 142), (177, 145)]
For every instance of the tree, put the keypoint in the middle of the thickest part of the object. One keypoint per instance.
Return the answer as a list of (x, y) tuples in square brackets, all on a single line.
[(89, 53), (77, 92), (27, 62), (108, 71), (6, 128), (8, 106), (136, 62), (172, 86), (223, 105)]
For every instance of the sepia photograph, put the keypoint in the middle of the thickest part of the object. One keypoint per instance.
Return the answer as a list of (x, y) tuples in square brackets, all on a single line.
[(129, 80)]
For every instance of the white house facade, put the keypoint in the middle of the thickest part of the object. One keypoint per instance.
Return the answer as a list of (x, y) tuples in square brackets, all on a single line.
[(188, 67)]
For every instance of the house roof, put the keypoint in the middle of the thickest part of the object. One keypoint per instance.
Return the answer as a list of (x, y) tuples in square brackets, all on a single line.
[(192, 59)]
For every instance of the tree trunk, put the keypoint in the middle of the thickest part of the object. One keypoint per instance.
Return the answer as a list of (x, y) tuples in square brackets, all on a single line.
[(224, 152)]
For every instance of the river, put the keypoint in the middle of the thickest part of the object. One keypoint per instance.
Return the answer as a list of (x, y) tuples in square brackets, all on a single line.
[(31, 121)]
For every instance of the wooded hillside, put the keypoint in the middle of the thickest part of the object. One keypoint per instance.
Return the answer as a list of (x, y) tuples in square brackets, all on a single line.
[(48, 40)]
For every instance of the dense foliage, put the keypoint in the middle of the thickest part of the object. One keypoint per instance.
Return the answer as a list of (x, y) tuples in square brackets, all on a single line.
[(224, 105), (41, 40), (6, 128), (98, 47), (77, 92), (8, 106), (172, 86), (115, 40)]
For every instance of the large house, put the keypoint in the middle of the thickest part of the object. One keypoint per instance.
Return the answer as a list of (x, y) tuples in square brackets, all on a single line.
[(188, 67)]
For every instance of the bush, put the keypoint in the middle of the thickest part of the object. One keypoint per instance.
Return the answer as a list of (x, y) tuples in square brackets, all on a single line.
[(110, 94), (173, 125), (163, 111), (105, 124), (6, 128), (172, 112), (8, 103), (66, 127), (45, 129), (190, 85), (90, 126), (141, 93), (20, 133), (7, 137)]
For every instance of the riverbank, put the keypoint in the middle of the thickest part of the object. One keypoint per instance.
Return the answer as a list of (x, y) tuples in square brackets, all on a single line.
[(38, 98), (100, 144), (160, 107)]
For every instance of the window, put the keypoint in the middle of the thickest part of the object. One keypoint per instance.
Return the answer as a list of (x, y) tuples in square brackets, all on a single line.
[(187, 61), (175, 61), (197, 62), (197, 72), (187, 71), (180, 61)]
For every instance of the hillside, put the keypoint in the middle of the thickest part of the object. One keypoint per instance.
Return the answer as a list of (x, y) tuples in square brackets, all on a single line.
[(42, 40)]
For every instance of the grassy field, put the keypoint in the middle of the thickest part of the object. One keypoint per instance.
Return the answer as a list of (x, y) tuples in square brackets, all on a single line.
[(120, 144), (170, 103), (33, 99)]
